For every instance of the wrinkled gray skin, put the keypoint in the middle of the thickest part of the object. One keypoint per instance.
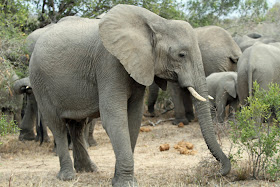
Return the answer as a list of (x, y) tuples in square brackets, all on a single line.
[(222, 87), (33, 37), (10, 103), (247, 41), (90, 68), (258, 63), (219, 54), (30, 118)]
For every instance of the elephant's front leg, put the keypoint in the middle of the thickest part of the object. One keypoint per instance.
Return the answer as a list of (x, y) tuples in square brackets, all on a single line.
[(221, 105), (114, 117), (177, 98), (135, 111), (82, 161), (153, 95)]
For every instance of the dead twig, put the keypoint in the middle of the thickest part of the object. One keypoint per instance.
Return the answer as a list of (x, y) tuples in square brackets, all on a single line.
[(156, 123)]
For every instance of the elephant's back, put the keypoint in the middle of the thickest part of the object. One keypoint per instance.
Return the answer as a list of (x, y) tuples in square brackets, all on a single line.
[(67, 47)]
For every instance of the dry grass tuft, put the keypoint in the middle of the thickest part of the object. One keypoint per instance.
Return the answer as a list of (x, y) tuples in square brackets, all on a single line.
[(13, 147)]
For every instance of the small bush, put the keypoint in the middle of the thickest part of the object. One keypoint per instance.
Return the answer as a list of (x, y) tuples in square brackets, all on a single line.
[(6, 126), (256, 132)]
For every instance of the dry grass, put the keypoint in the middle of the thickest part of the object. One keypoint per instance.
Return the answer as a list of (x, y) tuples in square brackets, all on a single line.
[(28, 164)]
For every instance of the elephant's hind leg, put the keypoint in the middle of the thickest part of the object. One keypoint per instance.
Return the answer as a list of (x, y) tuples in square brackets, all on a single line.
[(82, 161), (91, 140), (59, 130)]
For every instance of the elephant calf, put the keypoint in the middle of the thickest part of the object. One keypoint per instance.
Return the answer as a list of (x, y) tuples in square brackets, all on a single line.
[(222, 86)]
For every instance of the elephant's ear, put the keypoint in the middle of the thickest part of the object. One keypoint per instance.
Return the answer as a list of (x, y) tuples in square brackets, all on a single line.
[(230, 88), (162, 83), (127, 32)]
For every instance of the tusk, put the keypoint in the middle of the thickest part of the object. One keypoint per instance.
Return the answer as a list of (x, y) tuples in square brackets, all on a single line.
[(196, 95), (210, 97)]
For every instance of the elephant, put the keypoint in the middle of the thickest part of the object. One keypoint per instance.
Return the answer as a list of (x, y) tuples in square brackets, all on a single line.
[(222, 86), (248, 40), (10, 103), (219, 52), (260, 63), (84, 68), (31, 114)]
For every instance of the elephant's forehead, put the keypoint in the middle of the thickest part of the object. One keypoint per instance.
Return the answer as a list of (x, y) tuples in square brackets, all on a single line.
[(179, 28)]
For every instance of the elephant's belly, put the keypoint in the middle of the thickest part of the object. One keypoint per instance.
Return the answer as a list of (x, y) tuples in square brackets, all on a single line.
[(77, 103), (80, 110)]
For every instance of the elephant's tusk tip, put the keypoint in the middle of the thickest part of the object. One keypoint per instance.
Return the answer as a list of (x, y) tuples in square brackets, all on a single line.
[(210, 97), (195, 94)]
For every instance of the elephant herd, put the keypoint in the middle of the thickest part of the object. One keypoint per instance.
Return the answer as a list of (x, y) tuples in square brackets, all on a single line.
[(82, 69), (229, 80)]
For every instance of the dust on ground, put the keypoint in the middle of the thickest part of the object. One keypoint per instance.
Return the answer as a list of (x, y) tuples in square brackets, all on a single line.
[(28, 164)]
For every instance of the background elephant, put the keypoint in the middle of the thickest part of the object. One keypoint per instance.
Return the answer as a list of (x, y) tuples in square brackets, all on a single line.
[(260, 63), (31, 115), (222, 87), (10, 103), (219, 53), (248, 40), (31, 118), (92, 68)]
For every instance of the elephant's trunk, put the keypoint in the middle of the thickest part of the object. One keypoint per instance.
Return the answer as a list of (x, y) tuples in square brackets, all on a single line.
[(21, 85), (202, 108)]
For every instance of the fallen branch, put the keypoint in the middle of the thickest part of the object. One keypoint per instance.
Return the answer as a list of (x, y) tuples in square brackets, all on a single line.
[(156, 123)]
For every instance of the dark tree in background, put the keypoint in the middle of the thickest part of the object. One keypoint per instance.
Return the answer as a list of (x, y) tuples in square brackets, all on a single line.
[(53, 10), (211, 12)]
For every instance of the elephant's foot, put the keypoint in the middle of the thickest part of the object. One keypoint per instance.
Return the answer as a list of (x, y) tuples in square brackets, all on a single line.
[(119, 182), (66, 174), (176, 121), (85, 166), (26, 135), (92, 142), (190, 116)]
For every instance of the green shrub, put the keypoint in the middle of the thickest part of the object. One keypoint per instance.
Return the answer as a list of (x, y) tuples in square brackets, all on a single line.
[(7, 127), (256, 132)]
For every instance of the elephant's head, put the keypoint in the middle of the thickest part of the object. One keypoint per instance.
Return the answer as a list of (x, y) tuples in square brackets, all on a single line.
[(150, 46), (22, 86), (219, 51)]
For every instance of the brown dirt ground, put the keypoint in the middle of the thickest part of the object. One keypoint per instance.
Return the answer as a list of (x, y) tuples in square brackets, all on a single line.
[(28, 164)]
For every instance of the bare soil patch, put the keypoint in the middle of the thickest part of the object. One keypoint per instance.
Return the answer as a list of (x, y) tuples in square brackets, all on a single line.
[(28, 164)]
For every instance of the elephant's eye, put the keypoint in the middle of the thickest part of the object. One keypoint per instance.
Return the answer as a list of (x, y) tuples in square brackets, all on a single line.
[(182, 54)]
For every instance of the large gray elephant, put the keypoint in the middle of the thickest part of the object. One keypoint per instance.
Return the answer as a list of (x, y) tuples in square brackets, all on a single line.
[(10, 103), (219, 52), (261, 63), (222, 86), (91, 68)]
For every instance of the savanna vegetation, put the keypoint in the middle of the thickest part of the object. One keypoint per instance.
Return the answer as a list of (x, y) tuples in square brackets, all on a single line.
[(256, 129)]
